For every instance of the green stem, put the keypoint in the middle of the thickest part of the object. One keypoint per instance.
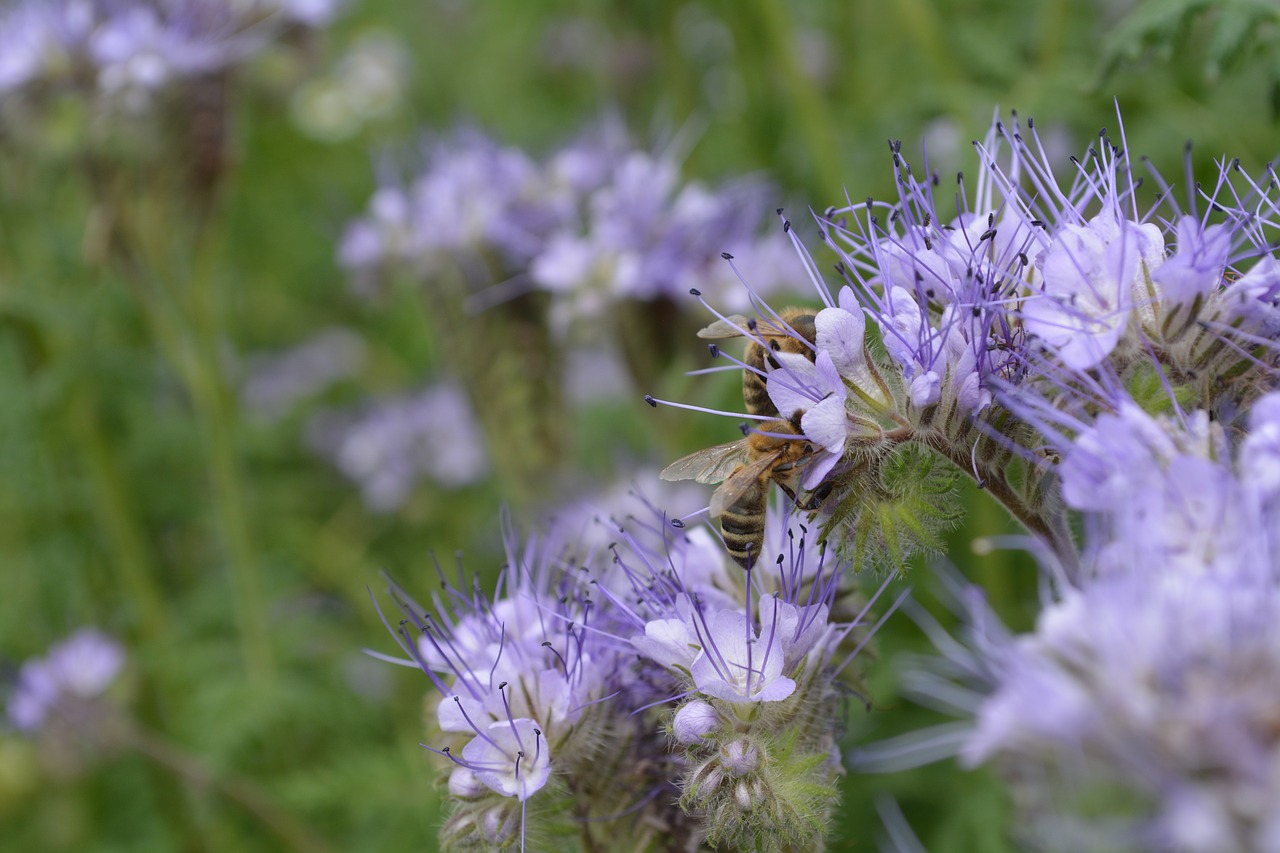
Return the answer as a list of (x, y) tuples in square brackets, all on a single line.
[(207, 387), (185, 322), (115, 508), (293, 832), (802, 93)]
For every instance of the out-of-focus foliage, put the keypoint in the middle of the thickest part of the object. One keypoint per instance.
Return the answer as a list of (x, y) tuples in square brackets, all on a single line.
[(142, 493)]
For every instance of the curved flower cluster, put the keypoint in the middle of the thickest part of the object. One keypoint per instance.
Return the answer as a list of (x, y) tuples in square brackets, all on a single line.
[(596, 224), (1142, 710), (733, 701), (1027, 282), (129, 51)]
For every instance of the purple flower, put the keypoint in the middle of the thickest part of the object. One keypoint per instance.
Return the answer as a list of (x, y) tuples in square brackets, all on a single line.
[(275, 383), (1090, 273), (390, 446), (472, 196), (520, 675), (739, 665), (79, 668)]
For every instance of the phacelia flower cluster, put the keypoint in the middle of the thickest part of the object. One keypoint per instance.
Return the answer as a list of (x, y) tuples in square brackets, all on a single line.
[(126, 53), (1141, 711), (1080, 355), (596, 224), (647, 687), (1025, 281), (390, 446)]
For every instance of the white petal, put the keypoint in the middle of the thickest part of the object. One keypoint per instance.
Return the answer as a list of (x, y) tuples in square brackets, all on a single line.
[(842, 334), (794, 386), (826, 424)]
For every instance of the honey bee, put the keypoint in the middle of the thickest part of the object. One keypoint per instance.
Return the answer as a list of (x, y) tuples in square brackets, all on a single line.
[(795, 331), (744, 469)]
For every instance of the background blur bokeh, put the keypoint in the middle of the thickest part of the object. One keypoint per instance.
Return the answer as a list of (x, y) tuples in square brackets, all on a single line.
[(190, 426)]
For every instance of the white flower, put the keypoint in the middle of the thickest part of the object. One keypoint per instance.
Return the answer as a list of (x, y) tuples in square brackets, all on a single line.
[(736, 667), (510, 757)]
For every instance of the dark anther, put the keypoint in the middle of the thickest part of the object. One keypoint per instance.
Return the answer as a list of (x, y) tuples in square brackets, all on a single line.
[(546, 644), (677, 524), (959, 177), (779, 211), (648, 398), (1074, 159), (751, 323), (502, 686), (977, 311), (989, 234), (743, 428), (726, 256), (1037, 223), (714, 350), (991, 220), (1023, 259), (1102, 134), (1031, 123), (786, 226), (694, 291)]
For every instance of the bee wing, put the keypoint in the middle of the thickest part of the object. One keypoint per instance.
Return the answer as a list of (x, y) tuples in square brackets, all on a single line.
[(734, 326), (739, 481), (710, 465)]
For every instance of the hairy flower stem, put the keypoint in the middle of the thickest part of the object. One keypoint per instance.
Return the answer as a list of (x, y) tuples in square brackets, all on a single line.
[(257, 802)]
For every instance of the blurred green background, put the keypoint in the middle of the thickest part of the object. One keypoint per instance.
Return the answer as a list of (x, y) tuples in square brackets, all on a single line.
[(138, 495)]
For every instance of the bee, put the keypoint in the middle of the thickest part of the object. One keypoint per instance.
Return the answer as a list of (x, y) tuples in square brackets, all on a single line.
[(795, 331), (744, 468)]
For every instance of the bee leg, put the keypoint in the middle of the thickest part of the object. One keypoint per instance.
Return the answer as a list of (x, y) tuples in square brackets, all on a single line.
[(818, 496)]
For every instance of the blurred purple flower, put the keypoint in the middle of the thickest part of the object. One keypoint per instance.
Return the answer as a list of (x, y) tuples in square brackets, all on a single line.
[(81, 667), (389, 446), (275, 383)]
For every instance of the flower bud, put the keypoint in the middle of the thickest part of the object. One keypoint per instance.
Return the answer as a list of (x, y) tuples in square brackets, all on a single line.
[(464, 784), (740, 757), (694, 721)]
